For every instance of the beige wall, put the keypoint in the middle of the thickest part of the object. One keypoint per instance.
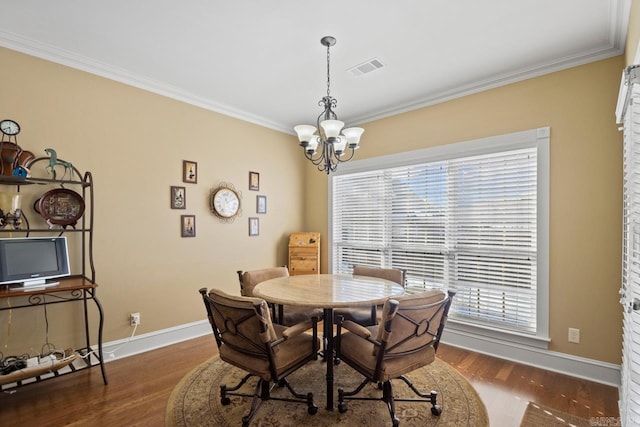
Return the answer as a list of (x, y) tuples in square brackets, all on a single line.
[(134, 143), (586, 194)]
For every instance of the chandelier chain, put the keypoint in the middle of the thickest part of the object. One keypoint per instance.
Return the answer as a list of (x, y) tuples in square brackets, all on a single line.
[(328, 72)]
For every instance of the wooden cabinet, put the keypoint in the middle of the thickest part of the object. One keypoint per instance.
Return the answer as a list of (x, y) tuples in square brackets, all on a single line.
[(304, 253)]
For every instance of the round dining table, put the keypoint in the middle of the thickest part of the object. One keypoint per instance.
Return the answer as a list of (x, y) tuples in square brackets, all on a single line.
[(327, 291)]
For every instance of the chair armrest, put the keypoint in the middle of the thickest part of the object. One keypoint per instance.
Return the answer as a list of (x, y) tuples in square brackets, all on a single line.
[(357, 329), (299, 328)]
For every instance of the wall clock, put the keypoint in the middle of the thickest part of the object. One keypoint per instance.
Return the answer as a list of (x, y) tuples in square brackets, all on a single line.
[(224, 202), (9, 127)]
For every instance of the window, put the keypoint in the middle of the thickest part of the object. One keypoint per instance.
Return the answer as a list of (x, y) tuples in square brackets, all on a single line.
[(470, 217)]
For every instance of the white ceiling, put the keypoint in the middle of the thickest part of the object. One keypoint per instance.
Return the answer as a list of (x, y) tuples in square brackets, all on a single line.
[(262, 61)]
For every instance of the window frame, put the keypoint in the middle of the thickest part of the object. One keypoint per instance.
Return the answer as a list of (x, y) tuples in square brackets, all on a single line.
[(538, 138)]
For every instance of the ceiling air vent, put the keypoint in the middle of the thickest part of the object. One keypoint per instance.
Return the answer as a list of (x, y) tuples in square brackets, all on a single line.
[(366, 67)]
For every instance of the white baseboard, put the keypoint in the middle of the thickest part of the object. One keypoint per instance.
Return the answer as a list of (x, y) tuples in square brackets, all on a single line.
[(150, 341), (575, 366), (580, 367)]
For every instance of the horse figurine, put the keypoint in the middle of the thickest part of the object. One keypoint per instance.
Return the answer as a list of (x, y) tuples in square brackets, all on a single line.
[(53, 162)]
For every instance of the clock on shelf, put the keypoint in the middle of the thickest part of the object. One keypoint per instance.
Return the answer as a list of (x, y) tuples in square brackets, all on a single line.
[(224, 202), (9, 128), (14, 161)]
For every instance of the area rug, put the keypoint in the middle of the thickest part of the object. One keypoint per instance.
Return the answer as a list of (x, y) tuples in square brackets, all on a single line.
[(538, 415), (195, 400)]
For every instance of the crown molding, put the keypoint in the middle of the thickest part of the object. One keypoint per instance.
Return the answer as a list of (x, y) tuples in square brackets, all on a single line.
[(492, 83), (619, 12), (64, 57)]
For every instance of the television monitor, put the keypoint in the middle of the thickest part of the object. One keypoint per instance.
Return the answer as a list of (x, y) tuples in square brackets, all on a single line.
[(33, 261)]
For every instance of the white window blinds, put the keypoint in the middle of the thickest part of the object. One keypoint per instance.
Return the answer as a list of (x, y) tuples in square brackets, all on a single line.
[(466, 223), (630, 291)]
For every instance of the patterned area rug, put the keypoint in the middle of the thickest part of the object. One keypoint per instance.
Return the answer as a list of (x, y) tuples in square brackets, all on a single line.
[(195, 401), (537, 415)]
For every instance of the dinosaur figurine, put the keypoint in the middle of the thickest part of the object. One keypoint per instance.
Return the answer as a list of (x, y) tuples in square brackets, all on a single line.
[(53, 162)]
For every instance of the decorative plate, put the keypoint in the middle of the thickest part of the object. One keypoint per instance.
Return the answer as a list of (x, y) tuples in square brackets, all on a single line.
[(61, 206)]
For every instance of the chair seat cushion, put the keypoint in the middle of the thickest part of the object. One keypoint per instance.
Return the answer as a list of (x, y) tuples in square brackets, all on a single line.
[(361, 356), (359, 315), (294, 314), (291, 352)]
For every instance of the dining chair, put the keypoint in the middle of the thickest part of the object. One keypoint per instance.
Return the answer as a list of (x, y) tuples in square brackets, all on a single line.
[(406, 339), (247, 339), (291, 315), (367, 316)]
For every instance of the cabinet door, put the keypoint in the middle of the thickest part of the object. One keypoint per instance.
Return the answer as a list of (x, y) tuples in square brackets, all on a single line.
[(303, 260), (304, 265)]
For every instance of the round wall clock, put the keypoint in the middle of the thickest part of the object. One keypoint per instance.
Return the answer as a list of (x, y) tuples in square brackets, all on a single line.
[(225, 202), (9, 127)]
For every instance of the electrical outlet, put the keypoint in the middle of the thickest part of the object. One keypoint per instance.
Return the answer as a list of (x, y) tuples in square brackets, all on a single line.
[(574, 335), (135, 319)]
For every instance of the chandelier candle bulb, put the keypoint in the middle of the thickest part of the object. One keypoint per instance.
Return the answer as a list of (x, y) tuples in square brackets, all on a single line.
[(340, 145), (305, 134), (353, 137), (332, 128), (312, 145)]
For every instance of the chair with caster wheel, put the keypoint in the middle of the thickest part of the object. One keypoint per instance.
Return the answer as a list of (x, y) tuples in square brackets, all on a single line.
[(290, 314), (406, 339), (247, 339), (367, 316)]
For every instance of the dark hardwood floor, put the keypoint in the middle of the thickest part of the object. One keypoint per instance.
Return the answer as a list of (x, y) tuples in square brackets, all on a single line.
[(139, 387)]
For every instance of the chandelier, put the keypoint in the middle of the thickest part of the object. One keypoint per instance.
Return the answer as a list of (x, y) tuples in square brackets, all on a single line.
[(327, 147)]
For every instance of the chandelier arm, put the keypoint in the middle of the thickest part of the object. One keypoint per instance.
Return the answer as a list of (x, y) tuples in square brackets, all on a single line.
[(316, 161), (321, 155), (328, 103), (343, 159), (331, 157), (322, 115), (331, 167)]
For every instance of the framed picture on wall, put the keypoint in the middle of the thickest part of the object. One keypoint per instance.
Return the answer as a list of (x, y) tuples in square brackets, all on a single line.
[(189, 172), (188, 225), (254, 226), (178, 197), (261, 204), (254, 181)]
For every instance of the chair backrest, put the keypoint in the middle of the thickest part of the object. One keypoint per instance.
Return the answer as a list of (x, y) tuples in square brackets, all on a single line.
[(249, 279), (241, 323), (411, 323), (393, 274), (443, 321)]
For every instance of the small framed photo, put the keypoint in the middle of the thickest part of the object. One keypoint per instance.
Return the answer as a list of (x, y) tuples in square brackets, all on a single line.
[(254, 226), (254, 181), (189, 172), (261, 204), (188, 225), (178, 197)]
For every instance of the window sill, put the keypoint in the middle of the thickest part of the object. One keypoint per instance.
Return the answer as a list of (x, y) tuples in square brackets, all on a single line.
[(487, 334)]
